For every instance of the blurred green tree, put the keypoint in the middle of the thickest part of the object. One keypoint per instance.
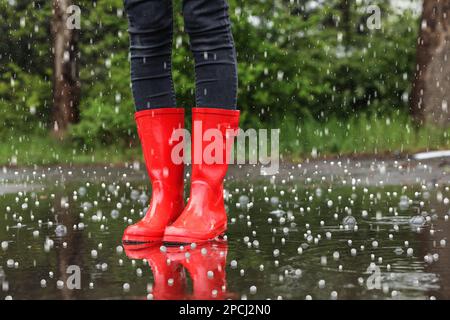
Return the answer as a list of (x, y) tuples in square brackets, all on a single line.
[(297, 59)]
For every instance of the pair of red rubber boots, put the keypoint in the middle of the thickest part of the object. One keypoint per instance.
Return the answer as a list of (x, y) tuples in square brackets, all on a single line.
[(204, 217)]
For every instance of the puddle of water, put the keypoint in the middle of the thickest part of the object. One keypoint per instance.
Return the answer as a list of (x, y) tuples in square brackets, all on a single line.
[(285, 241)]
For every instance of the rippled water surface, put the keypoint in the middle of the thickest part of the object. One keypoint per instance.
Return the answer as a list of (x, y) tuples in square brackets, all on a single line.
[(323, 237)]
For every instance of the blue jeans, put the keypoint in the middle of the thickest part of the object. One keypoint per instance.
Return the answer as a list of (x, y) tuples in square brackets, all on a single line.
[(211, 42)]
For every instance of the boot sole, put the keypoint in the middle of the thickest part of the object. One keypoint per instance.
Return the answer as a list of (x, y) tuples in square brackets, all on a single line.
[(134, 239), (137, 247), (173, 240)]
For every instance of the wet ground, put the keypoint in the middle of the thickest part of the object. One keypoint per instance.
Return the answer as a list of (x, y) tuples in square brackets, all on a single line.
[(348, 229)]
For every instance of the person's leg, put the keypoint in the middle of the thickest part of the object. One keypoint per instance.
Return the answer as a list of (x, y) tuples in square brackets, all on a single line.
[(151, 33), (208, 24), (204, 217), (150, 27)]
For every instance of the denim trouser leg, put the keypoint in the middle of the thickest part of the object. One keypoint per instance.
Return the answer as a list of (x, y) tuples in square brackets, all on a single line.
[(209, 28), (151, 31)]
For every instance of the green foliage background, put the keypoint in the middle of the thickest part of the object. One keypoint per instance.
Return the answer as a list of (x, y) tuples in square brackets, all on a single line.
[(297, 65)]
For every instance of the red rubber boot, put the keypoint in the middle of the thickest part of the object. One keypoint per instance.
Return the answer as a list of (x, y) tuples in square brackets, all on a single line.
[(155, 128), (204, 217)]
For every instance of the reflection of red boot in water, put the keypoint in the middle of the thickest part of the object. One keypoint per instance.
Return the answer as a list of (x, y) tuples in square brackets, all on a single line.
[(206, 267), (169, 278)]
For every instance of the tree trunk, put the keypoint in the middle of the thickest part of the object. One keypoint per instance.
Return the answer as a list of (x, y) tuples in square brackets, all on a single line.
[(430, 94), (346, 17), (66, 84)]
